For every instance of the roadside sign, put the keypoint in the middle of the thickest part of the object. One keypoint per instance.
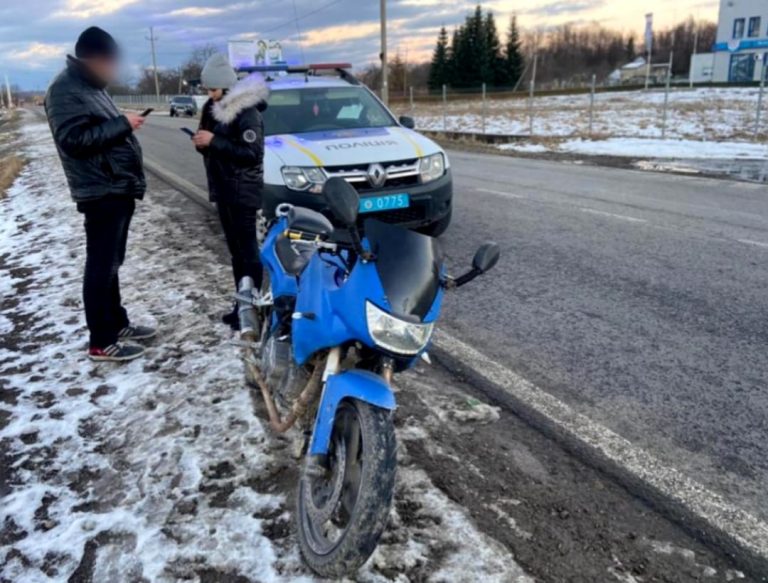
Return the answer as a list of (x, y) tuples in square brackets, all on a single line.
[(242, 53)]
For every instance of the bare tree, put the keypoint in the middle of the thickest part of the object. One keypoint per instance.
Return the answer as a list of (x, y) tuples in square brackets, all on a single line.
[(191, 69)]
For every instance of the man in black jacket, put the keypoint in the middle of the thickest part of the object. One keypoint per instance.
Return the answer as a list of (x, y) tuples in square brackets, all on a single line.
[(103, 164)]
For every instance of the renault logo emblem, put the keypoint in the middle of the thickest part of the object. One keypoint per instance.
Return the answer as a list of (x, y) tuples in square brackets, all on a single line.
[(377, 176)]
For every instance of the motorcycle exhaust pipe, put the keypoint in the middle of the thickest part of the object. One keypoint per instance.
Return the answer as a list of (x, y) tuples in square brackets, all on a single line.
[(246, 312), (300, 405)]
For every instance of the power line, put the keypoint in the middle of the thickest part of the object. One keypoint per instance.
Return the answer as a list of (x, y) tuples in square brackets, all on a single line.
[(152, 38), (298, 31), (303, 16)]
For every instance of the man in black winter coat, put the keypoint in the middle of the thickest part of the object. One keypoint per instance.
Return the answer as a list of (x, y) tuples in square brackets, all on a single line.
[(103, 164)]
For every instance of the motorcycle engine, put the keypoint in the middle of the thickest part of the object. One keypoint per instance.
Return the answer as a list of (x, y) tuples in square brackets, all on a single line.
[(280, 372)]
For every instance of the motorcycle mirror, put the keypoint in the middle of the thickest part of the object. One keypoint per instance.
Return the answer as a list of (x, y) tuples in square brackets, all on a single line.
[(343, 200), (486, 257), (407, 122)]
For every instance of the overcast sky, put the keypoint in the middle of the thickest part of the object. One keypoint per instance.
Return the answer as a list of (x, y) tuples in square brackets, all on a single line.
[(36, 34)]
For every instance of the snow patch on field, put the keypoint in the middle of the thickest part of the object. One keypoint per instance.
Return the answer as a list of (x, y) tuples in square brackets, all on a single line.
[(703, 113), (524, 148), (649, 148), (159, 470)]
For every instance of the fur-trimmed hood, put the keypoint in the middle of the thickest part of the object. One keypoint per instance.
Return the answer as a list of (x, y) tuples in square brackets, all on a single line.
[(248, 92)]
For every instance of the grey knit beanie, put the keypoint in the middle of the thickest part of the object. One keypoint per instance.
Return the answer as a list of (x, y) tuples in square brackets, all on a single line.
[(218, 73)]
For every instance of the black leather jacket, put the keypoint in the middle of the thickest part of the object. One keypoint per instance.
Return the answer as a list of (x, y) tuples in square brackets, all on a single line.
[(98, 150), (235, 157)]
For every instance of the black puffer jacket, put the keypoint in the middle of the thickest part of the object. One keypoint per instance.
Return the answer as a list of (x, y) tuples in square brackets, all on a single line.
[(100, 155), (208, 124), (235, 158)]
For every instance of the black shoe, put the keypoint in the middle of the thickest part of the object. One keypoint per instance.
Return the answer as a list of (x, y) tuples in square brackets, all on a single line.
[(116, 353), (232, 319), (137, 333)]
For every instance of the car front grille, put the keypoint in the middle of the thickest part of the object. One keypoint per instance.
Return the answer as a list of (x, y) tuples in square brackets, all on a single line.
[(402, 173)]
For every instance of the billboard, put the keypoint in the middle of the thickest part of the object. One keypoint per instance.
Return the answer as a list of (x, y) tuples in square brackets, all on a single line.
[(242, 53)]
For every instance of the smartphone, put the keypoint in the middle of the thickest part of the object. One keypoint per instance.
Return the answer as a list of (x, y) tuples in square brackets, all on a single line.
[(147, 111), (188, 131)]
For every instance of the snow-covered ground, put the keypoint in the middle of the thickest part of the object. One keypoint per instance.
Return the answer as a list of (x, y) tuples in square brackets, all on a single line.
[(647, 148), (159, 470), (704, 113)]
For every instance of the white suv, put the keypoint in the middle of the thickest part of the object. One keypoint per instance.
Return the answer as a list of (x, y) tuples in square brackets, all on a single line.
[(319, 126)]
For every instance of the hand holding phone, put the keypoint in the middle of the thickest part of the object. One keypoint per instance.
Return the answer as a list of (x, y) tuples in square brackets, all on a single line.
[(188, 131), (147, 111)]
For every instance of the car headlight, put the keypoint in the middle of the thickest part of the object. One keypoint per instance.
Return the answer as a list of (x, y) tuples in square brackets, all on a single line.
[(311, 179), (431, 168), (396, 335)]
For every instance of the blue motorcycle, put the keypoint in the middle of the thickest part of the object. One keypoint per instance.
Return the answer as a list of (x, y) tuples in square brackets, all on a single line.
[(341, 311)]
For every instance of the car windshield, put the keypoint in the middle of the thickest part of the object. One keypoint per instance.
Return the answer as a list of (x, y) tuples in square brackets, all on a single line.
[(184, 100), (302, 110)]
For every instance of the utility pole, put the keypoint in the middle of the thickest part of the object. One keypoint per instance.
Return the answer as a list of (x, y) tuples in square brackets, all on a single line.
[(760, 95), (405, 73), (152, 38), (8, 93), (532, 91), (648, 46), (693, 55), (384, 64), (666, 93)]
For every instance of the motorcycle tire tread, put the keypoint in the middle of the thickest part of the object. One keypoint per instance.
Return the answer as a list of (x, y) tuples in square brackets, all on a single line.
[(372, 508)]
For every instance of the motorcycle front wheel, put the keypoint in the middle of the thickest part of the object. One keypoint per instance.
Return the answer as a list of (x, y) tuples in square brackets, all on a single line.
[(343, 510)]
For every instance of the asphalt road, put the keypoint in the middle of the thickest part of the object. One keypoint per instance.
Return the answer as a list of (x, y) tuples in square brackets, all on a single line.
[(637, 298)]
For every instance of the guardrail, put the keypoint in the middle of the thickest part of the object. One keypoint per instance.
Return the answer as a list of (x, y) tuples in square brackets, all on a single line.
[(476, 136)]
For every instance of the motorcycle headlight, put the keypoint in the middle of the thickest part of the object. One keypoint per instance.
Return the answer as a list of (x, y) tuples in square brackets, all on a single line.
[(311, 179), (396, 335), (431, 168)]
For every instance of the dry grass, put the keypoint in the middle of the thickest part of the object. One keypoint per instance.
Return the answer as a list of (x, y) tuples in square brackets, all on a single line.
[(10, 168)]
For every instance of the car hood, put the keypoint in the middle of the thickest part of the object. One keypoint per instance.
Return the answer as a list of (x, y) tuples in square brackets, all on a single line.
[(350, 147)]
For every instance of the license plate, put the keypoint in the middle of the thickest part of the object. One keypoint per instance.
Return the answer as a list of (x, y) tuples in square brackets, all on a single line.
[(387, 202)]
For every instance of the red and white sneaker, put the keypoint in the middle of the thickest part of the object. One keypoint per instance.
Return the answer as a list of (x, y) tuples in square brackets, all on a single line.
[(137, 333), (117, 352)]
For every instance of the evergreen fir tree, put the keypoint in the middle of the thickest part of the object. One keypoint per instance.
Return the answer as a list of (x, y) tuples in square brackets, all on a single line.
[(496, 70), (439, 72), (630, 52), (459, 58), (515, 64)]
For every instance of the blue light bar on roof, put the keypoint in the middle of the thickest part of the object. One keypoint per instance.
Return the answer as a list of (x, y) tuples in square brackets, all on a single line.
[(263, 68)]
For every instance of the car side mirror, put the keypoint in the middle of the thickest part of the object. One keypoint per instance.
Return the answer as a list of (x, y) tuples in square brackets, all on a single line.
[(485, 259), (407, 122), (343, 200)]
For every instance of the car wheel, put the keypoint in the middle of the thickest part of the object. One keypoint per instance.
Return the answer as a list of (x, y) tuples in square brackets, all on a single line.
[(438, 227)]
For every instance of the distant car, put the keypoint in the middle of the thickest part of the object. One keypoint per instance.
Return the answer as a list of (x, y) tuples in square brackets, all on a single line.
[(183, 105)]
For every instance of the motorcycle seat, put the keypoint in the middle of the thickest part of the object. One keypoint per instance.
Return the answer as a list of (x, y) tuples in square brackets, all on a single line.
[(309, 221), (292, 259)]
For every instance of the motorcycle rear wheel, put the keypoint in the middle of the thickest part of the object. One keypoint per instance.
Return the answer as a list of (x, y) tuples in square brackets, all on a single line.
[(342, 514)]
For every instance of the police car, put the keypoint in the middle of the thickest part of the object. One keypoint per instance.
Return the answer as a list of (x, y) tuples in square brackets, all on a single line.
[(322, 122)]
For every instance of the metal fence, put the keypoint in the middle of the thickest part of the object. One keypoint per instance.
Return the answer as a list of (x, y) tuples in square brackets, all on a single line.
[(667, 111), (144, 100)]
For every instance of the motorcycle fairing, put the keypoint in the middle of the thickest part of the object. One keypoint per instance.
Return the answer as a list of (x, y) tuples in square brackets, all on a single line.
[(282, 282), (355, 384)]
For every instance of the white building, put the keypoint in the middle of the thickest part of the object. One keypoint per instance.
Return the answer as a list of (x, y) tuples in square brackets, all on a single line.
[(742, 41)]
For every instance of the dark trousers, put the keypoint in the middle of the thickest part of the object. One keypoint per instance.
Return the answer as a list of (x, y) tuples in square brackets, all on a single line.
[(106, 232), (239, 224)]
